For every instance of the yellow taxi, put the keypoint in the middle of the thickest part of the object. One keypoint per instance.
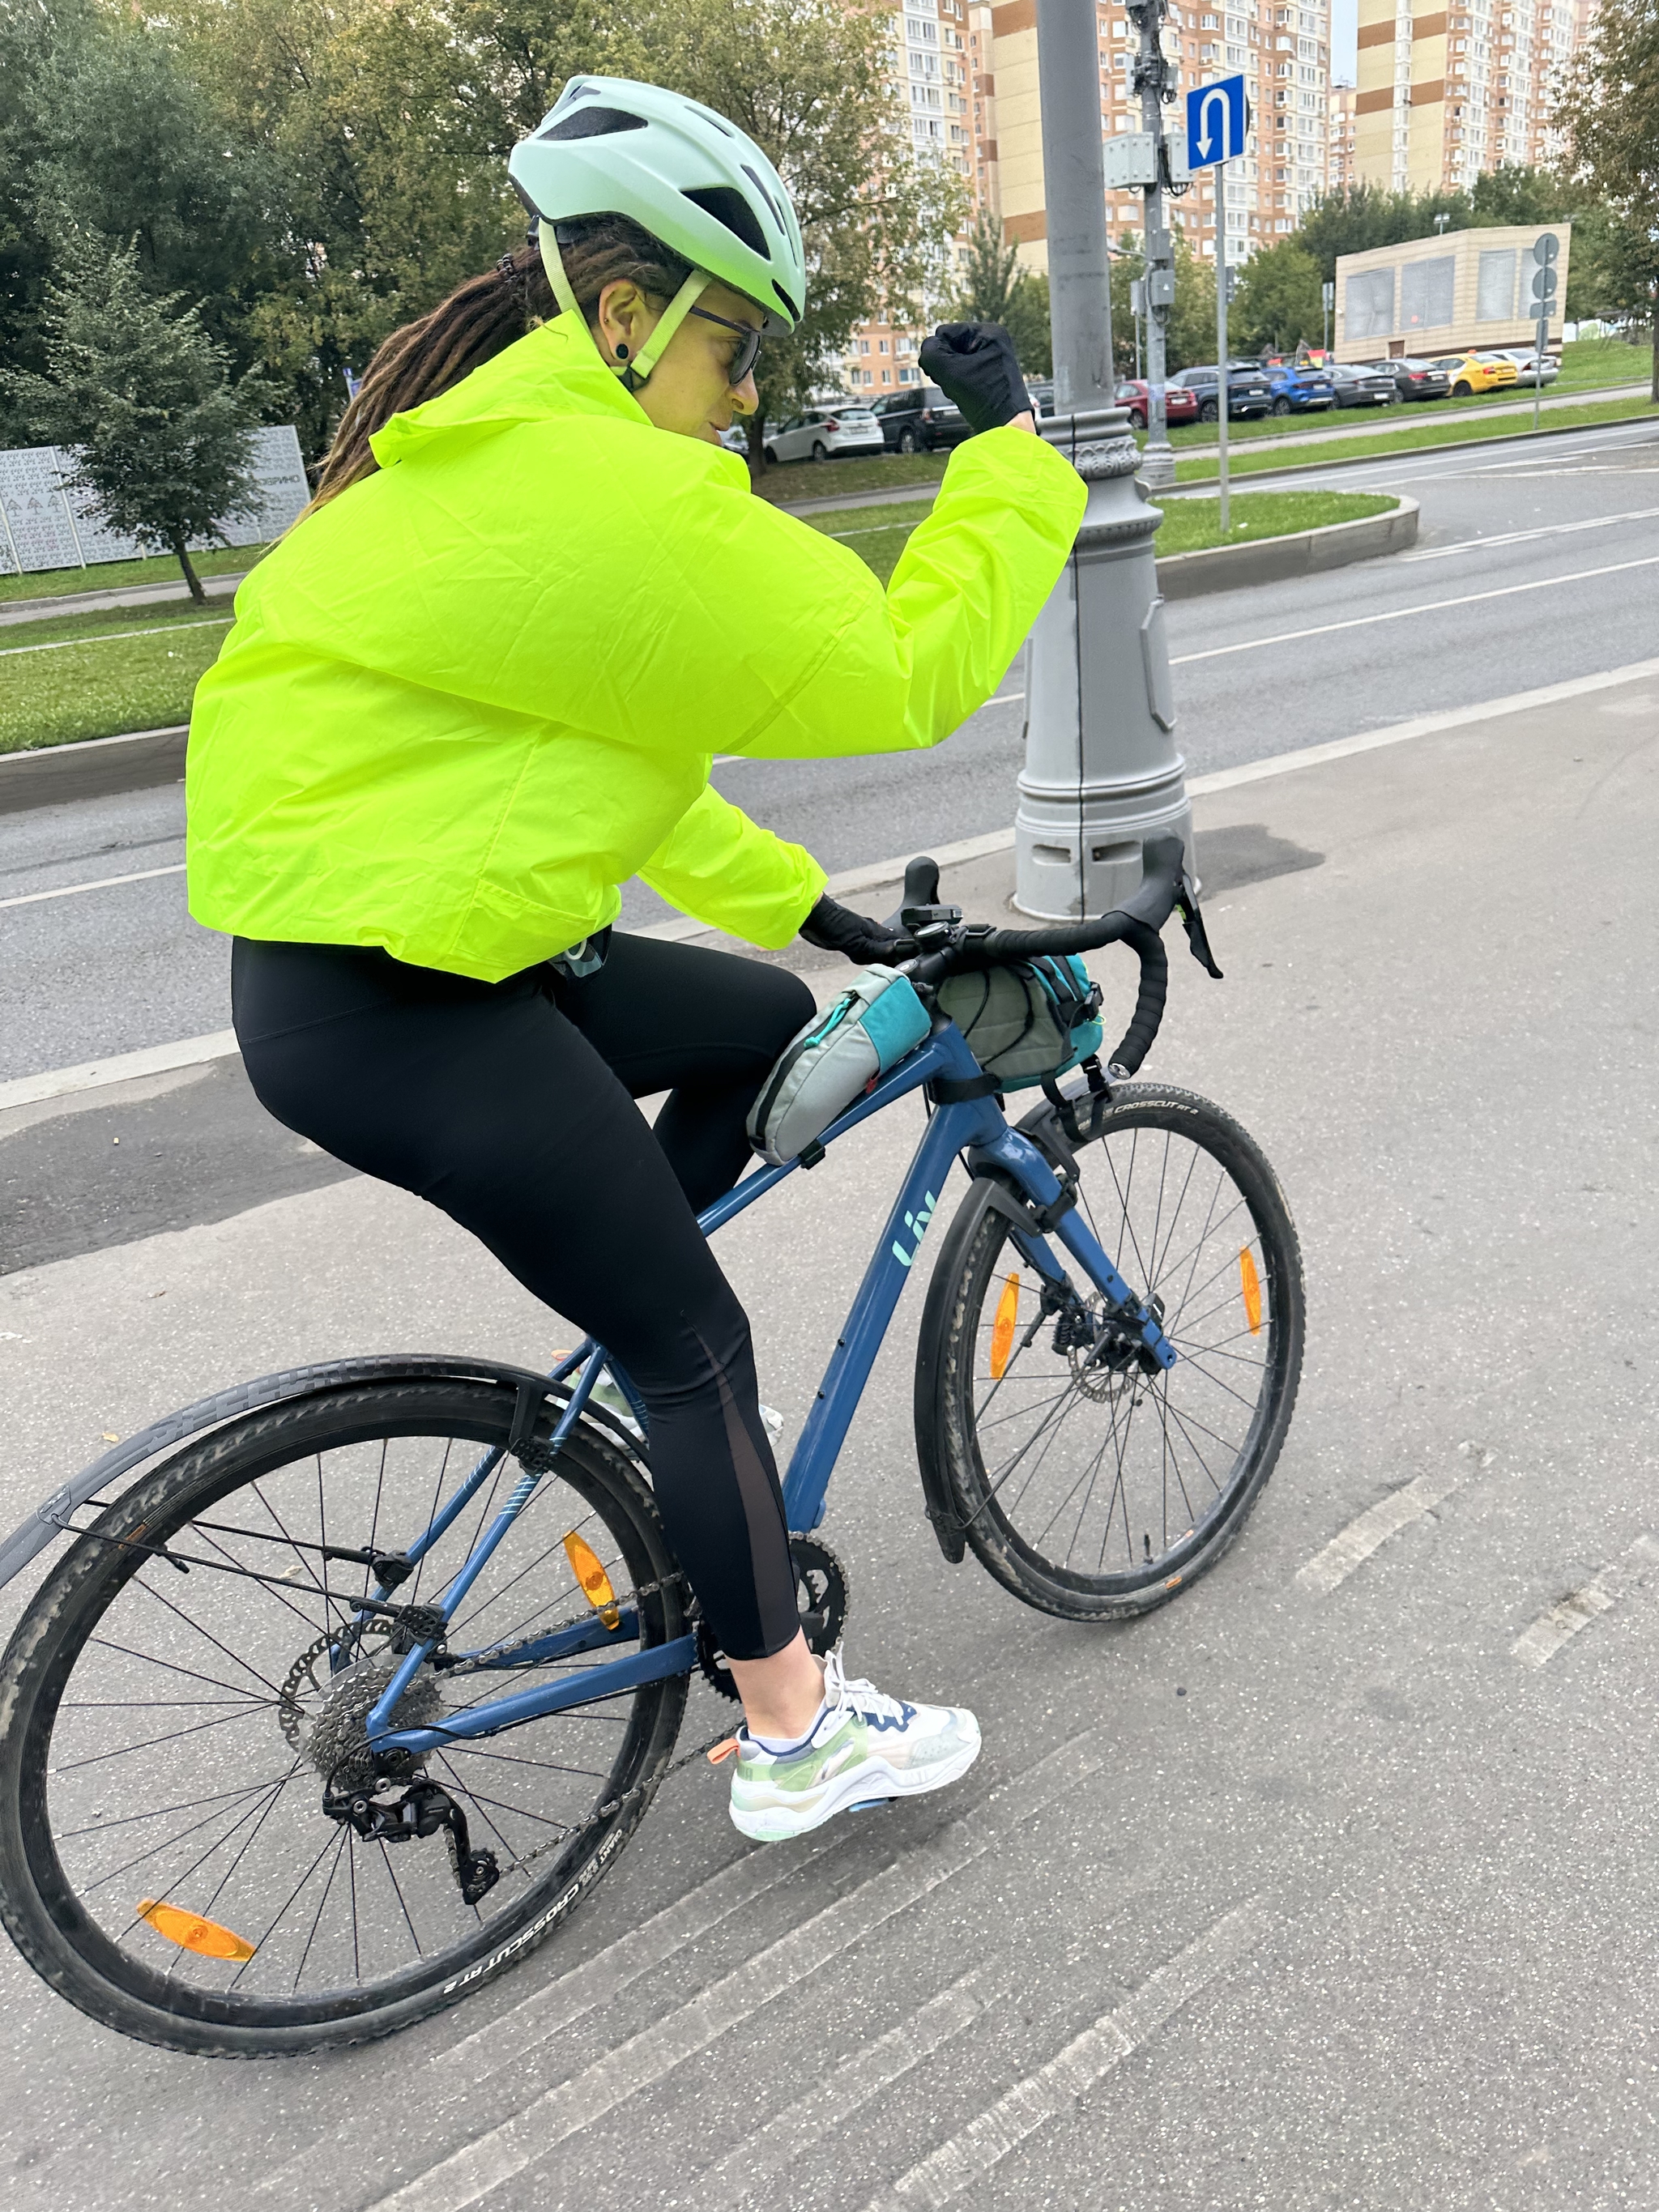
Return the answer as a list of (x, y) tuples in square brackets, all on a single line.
[(1475, 371)]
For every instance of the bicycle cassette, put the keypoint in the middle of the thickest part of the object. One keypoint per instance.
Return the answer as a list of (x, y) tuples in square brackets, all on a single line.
[(820, 1596)]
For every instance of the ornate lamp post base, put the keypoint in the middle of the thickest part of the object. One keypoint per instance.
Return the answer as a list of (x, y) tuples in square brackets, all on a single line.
[(1102, 772)]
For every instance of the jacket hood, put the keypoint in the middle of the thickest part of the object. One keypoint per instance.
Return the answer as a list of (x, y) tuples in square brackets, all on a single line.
[(552, 371)]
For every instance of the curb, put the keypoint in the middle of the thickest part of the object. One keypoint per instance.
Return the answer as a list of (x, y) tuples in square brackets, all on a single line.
[(1306, 553), (92, 768)]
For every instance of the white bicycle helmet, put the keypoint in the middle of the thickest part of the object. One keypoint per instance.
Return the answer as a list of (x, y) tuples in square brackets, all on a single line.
[(685, 174)]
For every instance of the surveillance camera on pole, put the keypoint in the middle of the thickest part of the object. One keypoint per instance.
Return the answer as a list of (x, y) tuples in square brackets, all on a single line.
[(1101, 774)]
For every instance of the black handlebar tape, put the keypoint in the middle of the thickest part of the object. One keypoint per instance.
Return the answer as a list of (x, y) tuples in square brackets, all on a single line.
[(1001, 945), (1149, 1002)]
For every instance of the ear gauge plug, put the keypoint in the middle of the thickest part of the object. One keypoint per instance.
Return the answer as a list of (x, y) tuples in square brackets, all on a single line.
[(621, 353)]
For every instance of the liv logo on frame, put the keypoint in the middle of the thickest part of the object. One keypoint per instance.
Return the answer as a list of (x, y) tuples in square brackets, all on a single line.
[(917, 1225)]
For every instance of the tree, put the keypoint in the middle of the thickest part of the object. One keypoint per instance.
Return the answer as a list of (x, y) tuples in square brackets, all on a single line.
[(1279, 301), (1610, 111), (996, 289), (808, 80), (138, 391)]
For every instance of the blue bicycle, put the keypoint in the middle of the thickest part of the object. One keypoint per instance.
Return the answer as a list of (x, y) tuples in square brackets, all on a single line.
[(353, 1692)]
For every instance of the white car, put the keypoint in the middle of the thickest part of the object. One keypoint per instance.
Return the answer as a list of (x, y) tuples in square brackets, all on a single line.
[(819, 433), (1523, 357)]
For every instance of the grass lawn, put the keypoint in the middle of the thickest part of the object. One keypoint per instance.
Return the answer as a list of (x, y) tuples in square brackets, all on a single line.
[(116, 575), (89, 675), (877, 535), (797, 480)]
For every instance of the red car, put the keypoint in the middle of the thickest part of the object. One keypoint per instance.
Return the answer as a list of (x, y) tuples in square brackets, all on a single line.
[(1180, 405)]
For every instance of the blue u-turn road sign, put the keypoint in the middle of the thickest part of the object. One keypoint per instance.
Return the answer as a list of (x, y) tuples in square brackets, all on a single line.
[(1217, 119)]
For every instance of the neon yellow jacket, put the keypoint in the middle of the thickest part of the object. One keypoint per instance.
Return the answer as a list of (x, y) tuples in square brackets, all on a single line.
[(467, 699)]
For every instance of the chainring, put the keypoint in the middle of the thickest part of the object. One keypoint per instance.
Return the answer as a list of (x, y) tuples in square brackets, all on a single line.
[(821, 1595)]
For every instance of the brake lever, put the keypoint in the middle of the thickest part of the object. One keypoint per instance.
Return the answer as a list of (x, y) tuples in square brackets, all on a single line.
[(1192, 922)]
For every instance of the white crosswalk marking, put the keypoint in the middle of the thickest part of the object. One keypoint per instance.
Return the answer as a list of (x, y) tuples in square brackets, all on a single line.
[(987, 2141), (489, 2159)]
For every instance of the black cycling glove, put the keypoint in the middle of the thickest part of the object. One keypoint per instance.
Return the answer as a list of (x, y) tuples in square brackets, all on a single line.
[(835, 928), (974, 364)]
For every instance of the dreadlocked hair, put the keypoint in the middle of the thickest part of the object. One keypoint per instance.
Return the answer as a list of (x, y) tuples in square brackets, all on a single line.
[(483, 317)]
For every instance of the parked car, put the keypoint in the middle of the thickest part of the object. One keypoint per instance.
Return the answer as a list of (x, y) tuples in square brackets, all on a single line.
[(1296, 389), (1180, 405), (1471, 373), (1526, 368), (1247, 390), (735, 437), (1356, 386), (919, 419), (819, 433), (1413, 378), (1043, 394)]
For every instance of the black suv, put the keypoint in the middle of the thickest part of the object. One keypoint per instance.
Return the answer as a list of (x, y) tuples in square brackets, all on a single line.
[(1248, 391), (919, 418)]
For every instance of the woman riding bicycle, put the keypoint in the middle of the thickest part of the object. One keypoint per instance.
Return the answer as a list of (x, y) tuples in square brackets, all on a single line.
[(479, 686)]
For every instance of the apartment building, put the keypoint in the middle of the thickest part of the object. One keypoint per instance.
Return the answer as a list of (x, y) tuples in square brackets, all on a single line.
[(1282, 51), (1341, 163), (942, 63), (1448, 91)]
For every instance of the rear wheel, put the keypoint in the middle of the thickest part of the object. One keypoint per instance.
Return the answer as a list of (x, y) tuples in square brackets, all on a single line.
[(1137, 420), (1089, 1486), (185, 1745), (1461, 390), (1281, 406), (908, 443), (1208, 411)]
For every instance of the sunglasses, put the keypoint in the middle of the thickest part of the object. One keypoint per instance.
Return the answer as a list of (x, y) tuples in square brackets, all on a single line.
[(747, 352)]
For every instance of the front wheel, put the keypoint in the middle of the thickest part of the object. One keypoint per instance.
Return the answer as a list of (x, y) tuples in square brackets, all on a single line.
[(820, 451), (191, 1850), (1090, 1488)]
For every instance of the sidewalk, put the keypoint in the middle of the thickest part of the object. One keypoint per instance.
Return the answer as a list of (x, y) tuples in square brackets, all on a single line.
[(135, 595)]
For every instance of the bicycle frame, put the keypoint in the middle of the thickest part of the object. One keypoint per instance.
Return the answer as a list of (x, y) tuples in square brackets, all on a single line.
[(976, 1127)]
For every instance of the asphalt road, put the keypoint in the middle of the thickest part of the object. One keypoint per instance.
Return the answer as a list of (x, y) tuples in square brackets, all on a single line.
[(1328, 1887), (1529, 570)]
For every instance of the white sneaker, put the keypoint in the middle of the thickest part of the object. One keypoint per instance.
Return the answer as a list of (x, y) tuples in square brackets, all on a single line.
[(864, 1748)]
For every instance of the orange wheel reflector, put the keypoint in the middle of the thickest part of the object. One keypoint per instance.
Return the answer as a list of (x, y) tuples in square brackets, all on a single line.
[(1002, 1328), (585, 1565), (1250, 1284), (191, 1933)]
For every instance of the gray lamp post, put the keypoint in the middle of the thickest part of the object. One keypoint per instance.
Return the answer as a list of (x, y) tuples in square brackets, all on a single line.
[(1101, 773)]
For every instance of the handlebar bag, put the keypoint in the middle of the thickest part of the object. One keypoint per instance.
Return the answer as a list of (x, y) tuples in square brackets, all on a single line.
[(1032, 1020), (839, 1054)]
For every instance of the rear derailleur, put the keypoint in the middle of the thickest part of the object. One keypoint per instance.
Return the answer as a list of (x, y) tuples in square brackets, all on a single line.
[(418, 1809)]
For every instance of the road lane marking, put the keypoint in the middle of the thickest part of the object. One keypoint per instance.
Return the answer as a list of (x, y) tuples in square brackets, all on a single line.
[(1073, 2072), (650, 2055), (1527, 537), (1537, 1645), (1352, 1546), (98, 884), (1427, 607), (742, 2178), (116, 636)]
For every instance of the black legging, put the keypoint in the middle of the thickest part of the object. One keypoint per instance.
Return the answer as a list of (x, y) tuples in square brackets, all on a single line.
[(509, 1106)]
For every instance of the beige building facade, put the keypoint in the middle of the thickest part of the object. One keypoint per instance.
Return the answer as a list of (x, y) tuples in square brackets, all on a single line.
[(1444, 295), (1446, 92), (1283, 53), (941, 57)]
